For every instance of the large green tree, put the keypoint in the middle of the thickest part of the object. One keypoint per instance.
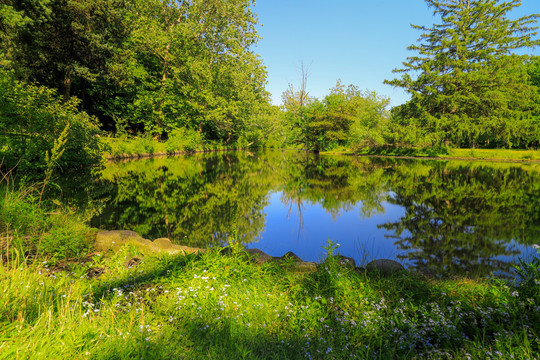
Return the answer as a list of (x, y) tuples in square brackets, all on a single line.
[(468, 86), (190, 64), (157, 65)]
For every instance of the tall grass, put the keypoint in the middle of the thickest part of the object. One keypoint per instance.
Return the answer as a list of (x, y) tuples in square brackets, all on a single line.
[(214, 306), (32, 228)]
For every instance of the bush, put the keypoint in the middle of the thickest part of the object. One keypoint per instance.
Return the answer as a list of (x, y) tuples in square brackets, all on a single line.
[(183, 139), (33, 117), (34, 229)]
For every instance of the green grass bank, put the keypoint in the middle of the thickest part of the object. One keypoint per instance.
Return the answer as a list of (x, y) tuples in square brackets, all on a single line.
[(183, 141), (77, 303), (457, 154)]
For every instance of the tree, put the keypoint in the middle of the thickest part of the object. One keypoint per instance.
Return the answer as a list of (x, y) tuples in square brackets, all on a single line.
[(470, 89), (196, 66), (155, 65), (62, 44), (294, 103), (33, 119), (346, 116)]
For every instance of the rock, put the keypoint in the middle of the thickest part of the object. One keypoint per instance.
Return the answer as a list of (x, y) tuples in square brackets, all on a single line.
[(115, 239), (163, 243), (175, 249), (258, 255), (291, 255), (346, 261), (385, 266)]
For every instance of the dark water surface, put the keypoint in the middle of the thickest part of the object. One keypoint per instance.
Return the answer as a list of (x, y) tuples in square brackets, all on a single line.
[(445, 217)]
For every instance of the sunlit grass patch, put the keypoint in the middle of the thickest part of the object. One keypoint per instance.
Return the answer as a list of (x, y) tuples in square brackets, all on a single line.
[(225, 307), (496, 154)]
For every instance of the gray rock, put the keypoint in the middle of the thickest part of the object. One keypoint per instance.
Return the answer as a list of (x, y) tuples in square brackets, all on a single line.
[(346, 261), (258, 255), (291, 255), (385, 266)]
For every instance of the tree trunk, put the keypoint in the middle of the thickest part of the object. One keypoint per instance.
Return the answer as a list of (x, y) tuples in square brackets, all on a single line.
[(67, 86)]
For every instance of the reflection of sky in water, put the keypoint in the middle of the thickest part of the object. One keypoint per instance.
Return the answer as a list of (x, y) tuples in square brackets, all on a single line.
[(358, 236)]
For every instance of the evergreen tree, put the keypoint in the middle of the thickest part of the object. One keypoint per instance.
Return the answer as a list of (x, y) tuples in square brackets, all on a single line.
[(471, 89)]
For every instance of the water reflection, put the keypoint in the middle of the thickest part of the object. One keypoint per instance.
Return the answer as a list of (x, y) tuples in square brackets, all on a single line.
[(455, 217)]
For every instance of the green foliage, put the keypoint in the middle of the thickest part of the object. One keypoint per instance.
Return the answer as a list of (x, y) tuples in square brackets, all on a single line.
[(529, 273), (183, 139), (36, 125), (224, 307), (345, 117), (159, 65), (31, 227), (470, 90), (67, 237)]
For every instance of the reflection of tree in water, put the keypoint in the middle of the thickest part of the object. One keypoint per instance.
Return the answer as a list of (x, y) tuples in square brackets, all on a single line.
[(458, 220), (191, 201)]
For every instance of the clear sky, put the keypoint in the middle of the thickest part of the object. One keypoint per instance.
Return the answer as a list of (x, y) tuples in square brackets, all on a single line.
[(357, 41)]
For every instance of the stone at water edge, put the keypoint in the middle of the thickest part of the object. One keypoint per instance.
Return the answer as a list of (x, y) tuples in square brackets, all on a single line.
[(259, 255), (346, 261), (385, 266), (291, 255), (163, 243), (115, 239)]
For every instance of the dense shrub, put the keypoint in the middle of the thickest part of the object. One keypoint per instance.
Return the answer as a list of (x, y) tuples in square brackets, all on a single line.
[(33, 117)]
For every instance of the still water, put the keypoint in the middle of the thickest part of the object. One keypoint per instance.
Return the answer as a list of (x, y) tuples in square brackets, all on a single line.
[(442, 217)]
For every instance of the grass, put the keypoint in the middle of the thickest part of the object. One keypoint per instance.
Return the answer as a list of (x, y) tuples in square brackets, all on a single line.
[(215, 306), (474, 154), (496, 154), (180, 140)]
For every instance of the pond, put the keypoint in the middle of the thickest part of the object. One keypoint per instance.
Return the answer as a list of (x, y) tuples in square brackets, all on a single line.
[(442, 217)]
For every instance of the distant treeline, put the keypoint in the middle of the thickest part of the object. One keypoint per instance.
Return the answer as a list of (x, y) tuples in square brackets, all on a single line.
[(153, 67)]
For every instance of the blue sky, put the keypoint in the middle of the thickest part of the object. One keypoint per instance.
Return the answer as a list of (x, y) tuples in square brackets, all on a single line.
[(357, 41)]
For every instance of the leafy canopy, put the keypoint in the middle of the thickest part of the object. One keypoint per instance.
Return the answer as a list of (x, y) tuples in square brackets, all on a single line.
[(466, 82)]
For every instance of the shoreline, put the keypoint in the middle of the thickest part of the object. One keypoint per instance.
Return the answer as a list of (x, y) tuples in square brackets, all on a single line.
[(127, 157)]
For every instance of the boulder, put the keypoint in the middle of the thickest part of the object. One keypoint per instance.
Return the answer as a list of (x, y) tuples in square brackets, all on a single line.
[(258, 255), (175, 249), (346, 261), (291, 255), (385, 266), (115, 239), (163, 243)]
